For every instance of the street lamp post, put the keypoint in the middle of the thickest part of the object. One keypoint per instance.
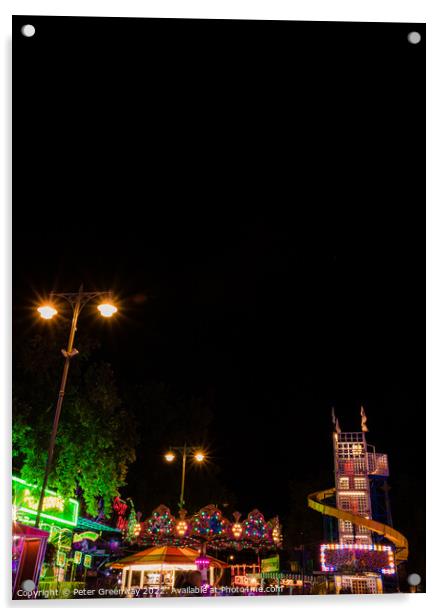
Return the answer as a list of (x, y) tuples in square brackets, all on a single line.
[(182, 485), (77, 301), (185, 452)]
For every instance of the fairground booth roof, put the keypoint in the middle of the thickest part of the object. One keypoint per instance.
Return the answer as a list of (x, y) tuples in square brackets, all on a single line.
[(167, 556)]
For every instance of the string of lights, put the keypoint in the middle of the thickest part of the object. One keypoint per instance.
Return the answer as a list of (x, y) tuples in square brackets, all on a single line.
[(208, 525)]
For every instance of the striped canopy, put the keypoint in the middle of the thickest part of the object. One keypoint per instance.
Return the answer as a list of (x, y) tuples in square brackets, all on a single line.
[(168, 555)]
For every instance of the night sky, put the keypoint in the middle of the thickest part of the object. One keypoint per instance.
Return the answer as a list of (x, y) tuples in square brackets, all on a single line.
[(253, 193)]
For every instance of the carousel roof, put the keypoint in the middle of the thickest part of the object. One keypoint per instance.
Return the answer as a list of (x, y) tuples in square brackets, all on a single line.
[(210, 526), (167, 555)]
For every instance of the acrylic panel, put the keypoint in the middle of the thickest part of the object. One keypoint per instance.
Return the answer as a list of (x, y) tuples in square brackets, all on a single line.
[(217, 308)]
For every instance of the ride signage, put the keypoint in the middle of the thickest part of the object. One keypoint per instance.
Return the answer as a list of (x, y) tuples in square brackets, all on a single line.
[(25, 498), (270, 565)]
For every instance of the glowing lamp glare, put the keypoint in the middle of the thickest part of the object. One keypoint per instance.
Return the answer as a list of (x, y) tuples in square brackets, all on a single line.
[(47, 312), (106, 310)]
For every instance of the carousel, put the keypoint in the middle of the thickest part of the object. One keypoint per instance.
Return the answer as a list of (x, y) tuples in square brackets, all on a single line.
[(176, 549)]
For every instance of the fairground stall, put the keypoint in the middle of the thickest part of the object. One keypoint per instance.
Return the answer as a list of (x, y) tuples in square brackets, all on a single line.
[(163, 569), (28, 552), (66, 551), (58, 520)]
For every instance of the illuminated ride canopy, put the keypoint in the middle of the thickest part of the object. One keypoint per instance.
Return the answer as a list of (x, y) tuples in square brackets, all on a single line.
[(209, 526)]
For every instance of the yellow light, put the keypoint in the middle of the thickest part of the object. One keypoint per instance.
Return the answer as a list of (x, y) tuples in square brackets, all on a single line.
[(237, 530), (106, 310), (181, 528), (199, 456), (276, 534), (47, 312), (169, 457)]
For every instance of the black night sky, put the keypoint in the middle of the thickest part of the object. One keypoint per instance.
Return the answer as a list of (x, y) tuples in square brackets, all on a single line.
[(253, 193)]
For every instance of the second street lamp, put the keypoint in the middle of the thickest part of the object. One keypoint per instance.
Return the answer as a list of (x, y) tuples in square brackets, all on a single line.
[(77, 301), (186, 452)]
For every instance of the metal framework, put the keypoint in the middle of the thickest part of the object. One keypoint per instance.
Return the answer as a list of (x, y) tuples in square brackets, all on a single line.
[(357, 467), (352, 485)]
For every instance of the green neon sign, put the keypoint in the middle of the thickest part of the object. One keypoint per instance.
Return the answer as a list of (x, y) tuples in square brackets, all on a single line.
[(88, 534), (77, 557), (25, 498)]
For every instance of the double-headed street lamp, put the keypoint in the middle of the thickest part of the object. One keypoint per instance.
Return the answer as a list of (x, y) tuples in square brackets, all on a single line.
[(47, 311), (186, 452)]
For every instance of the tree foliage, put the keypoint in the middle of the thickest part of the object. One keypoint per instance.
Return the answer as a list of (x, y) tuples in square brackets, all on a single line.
[(96, 436)]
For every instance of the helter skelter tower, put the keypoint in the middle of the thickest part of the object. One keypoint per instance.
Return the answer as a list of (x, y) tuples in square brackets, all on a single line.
[(364, 556), (355, 463)]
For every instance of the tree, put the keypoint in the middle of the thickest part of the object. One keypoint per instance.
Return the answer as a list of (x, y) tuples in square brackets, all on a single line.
[(131, 529), (96, 436)]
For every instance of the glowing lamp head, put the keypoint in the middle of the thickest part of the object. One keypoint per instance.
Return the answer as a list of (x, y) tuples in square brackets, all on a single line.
[(237, 530), (276, 534), (107, 310), (181, 528), (199, 456), (169, 457), (47, 312)]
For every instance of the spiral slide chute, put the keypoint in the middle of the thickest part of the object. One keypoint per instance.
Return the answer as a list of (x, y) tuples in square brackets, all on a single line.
[(315, 501)]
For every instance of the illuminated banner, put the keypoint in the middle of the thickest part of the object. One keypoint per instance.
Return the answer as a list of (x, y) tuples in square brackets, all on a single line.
[(60, 559), (269, 565), (87, 561), (25, 498), (245, 580), (356, 558)]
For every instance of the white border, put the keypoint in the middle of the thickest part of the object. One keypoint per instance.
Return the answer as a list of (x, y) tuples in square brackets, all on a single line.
[(429, 11), (321, 10)]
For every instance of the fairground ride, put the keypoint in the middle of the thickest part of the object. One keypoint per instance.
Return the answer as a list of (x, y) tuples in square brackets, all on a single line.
[(366, 550)]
